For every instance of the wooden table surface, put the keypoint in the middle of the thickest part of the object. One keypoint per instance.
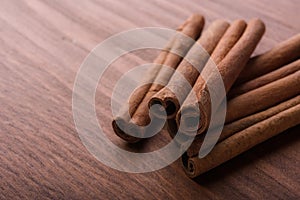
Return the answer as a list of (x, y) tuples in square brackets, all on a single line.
[(43, 44)]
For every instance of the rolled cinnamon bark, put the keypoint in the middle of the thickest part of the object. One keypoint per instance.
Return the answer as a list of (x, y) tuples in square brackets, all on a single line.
[(120, 123), (241, 111), (263, 97), (230, 37), (229, 69), (265, 79), (282, 54), (166, 97), (239, 125), (242, 141), (141, 117), (192, 28)]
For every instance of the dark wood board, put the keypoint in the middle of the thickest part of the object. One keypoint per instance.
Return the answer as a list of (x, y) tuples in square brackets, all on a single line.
[(43, 44)]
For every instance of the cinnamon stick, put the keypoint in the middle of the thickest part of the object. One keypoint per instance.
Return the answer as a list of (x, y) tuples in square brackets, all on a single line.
[(241, 124), (120, 123), (243, 141), (141, 118), (228, 40), (282, 54), (263, 97), (192, 27), (229, 69), (265, 79), (241, 110), (231, 36), (208, 41)]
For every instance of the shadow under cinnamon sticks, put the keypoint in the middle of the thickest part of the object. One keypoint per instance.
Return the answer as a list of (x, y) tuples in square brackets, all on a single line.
[(236, 165), (154, 143)]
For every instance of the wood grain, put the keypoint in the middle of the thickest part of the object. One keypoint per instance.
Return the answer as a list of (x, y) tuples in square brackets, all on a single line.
[(43, 44)]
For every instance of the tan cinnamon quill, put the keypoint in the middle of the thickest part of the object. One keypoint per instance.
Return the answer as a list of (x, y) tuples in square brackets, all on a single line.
[(241, 124), (192, 27), (166, 97), (251, 107), (282, 54), (229, 69), (265, 79), (263, 97), (242, 141)]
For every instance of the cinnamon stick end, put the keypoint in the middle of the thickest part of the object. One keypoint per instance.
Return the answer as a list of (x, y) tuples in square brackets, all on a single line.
[(189, 167), (119, 126), (168, 105)]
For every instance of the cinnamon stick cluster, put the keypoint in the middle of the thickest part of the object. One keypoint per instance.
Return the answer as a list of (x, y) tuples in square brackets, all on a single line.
[(262, 92)]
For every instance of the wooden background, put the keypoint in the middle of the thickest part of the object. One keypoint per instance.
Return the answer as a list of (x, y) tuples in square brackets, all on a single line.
[(43, 44)]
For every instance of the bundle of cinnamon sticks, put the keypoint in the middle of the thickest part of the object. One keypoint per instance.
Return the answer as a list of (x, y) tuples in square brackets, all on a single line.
[(262, 92)]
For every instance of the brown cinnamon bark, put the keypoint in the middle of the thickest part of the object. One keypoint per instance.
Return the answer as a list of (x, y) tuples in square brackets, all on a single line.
[(265, 79), (141, 116), (239, 125), (263, 97), (248, 104), (120, 123), (192, 28), (282, 54), (230, 37), (166, 97), (243, 141), (229, 69)]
